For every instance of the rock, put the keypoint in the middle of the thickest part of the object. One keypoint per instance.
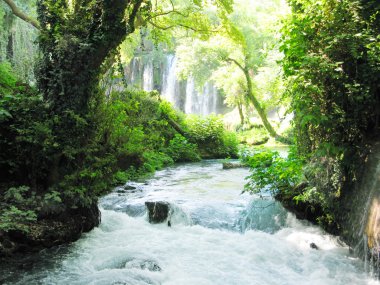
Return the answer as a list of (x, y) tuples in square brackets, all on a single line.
[(158, 211), (231, 165), (314, 246), (50, 231), (129, 187), (143, 264)]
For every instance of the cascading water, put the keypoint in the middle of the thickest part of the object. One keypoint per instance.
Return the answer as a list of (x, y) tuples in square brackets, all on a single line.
[(134, 68), (190, 102), (187, 99), (202, 103), (170, 82), (148, 82), (217, 236)]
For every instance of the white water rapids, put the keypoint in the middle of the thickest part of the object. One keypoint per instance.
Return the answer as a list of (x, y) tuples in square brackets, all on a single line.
[(218, 236)]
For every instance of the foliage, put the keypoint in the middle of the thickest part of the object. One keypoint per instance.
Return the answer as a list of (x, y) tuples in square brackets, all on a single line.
[(132, 134), (211, 137), (13, 218), (271, 172), (176, 19), (333, 74), (331, 63), (15, 212), (17, 40), (26, 132), (239, 56), (180, 149), (256, 135), (326, 179), (153, 161)]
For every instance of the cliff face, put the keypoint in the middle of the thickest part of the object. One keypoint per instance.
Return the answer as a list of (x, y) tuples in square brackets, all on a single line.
[(358, 213)]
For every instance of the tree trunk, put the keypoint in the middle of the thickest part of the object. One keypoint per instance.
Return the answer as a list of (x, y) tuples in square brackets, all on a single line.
[(254, 100), (241, 114), (257, 105), (74, 48)]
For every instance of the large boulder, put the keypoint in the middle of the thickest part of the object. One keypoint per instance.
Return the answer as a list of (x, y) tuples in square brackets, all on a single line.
[(50, 231), (158, 211)]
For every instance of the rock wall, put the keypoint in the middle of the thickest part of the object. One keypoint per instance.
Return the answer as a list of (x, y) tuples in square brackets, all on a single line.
[(359, 209)]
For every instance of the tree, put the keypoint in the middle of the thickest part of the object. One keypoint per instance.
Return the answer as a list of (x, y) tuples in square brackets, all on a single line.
[(332, 59), (244, 43), (333, 74), (76, 39)]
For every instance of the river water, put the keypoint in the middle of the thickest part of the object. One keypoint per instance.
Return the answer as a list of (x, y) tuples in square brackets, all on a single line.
[(217, 236)]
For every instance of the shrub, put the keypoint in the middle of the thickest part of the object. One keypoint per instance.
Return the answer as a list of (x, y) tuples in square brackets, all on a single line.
[(212, 139), (153, 161), (270, 171), (180, 149)]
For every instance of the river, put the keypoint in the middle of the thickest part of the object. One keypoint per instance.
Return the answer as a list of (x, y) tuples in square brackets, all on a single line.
[(217, 236)]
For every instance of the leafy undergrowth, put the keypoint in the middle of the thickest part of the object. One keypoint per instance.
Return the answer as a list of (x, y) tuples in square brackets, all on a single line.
[(284, 177), (255, 135), (132, 135)]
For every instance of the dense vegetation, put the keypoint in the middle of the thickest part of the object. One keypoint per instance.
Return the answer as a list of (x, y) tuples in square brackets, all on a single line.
[(332, 64), (67, 141), (67, 137), (133, 138)]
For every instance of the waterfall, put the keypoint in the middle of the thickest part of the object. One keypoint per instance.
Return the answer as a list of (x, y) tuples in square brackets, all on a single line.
[(181, 93), (190, 96), (148, 77), (207, 102), (214, 99), (203, 103), (134, 68), (170, 81)]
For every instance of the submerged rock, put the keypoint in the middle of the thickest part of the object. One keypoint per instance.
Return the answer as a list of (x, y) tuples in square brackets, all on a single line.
[(158, 211), (144, 265), (231, 165), (129, 187), (314, 246)]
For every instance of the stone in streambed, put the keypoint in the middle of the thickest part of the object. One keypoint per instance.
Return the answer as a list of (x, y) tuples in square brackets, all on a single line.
[(129, 187), (314, 246), (149, 265), (158, 211), (231, 165)]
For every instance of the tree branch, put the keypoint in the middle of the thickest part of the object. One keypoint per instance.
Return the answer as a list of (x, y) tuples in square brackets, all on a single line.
[(228, 59), (132, 16), (167, 13), (17, 12), (181, 26)]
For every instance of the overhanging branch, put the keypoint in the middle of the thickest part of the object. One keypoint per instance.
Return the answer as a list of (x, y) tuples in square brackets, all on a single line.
[(236, 62), (17, 12)]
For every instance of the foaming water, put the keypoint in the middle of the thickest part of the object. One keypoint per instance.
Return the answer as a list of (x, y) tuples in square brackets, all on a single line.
[(218, 236)]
